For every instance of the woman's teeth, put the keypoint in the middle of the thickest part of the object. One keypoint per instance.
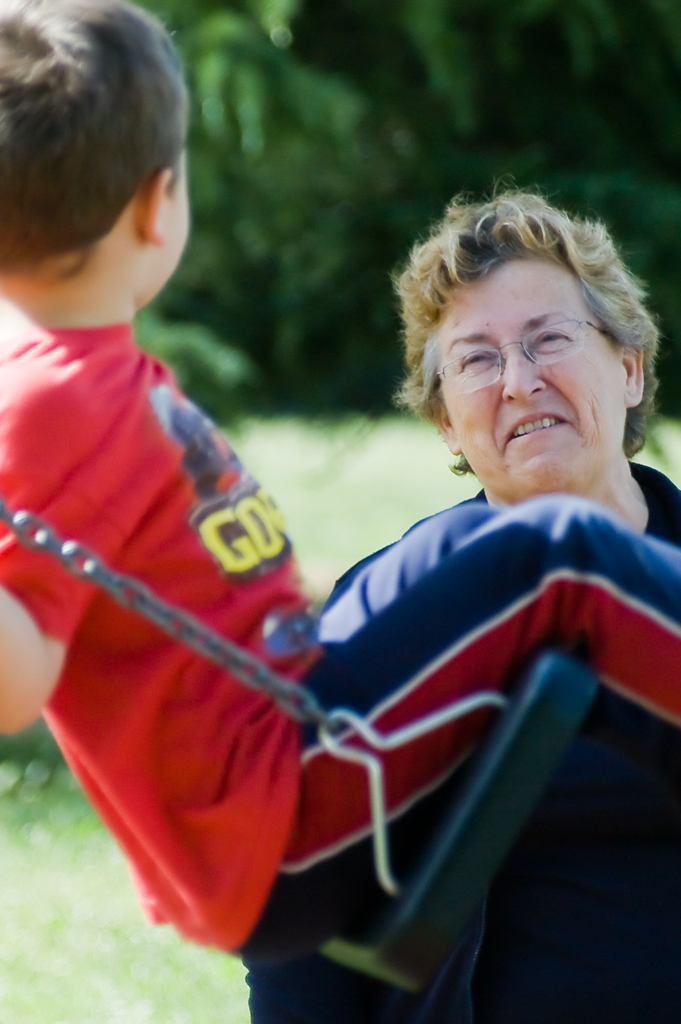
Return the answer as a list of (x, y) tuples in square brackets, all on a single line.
[(527, 428)]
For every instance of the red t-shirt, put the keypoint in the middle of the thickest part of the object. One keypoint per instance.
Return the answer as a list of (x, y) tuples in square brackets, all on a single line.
[(195, 774)]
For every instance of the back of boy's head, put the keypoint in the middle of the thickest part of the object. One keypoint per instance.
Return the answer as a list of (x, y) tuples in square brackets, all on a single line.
[(92, 104)]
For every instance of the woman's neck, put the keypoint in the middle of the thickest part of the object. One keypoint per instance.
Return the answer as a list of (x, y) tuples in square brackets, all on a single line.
[(621, 495)]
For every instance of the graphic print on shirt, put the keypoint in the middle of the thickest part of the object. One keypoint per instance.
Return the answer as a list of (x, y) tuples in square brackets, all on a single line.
[(236, 519)]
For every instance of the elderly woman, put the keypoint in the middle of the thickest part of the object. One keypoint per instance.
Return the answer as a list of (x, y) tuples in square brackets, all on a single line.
[(528, 345)]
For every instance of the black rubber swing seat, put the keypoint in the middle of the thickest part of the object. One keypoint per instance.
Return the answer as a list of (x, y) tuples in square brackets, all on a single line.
[(404, 940)]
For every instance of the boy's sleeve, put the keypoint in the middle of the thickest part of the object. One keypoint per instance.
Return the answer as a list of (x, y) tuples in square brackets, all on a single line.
[(56, 599), (48, 442)]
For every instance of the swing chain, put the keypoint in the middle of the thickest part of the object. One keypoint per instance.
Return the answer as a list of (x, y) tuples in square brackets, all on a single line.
[(295, 700)]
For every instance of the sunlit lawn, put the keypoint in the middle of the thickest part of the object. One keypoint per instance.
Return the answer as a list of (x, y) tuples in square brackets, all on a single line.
[(74, 948), (73, 945)]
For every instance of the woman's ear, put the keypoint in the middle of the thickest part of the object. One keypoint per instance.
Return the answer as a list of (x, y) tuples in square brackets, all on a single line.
[(151, 204), (446, 428), (632, 360)]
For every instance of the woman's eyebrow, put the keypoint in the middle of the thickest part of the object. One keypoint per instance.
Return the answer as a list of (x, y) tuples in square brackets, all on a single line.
[(471, 339), (551, 318)]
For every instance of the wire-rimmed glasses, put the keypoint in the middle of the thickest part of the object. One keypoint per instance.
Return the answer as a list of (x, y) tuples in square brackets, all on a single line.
[(478, 365)]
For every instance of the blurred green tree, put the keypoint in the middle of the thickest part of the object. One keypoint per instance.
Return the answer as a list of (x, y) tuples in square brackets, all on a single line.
[(327, 137)]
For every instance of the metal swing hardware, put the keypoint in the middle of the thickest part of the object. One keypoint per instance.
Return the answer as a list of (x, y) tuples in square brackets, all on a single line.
[(405, 941)]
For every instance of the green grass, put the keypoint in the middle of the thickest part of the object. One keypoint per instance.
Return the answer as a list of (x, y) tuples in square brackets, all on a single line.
[(74, 948)]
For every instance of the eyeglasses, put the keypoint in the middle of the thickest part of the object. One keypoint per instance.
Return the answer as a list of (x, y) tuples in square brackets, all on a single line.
[(481, 365)]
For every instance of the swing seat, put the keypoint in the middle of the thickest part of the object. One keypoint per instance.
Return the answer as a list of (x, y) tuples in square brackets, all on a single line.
[(404, 940)]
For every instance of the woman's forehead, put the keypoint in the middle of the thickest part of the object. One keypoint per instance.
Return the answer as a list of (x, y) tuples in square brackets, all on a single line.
[(516, 297)]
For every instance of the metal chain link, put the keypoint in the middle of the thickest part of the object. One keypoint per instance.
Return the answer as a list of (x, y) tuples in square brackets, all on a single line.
[(34, 533)]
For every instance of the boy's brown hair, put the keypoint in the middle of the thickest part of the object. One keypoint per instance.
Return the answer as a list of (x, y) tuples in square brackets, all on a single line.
[(92, 103)]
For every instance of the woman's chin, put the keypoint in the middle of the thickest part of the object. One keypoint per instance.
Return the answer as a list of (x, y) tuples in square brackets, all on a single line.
[(545, 474), (554, 464)]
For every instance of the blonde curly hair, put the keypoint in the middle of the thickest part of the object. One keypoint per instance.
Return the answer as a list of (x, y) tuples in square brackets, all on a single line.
[(476, 237)]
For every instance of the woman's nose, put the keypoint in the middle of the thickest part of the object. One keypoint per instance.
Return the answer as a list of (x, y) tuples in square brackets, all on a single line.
[(520, 376)]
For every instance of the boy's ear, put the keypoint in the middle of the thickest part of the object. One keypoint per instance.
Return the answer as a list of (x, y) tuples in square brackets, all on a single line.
[(149, 207)]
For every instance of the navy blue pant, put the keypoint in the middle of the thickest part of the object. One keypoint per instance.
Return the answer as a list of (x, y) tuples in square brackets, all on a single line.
[(457, 606)]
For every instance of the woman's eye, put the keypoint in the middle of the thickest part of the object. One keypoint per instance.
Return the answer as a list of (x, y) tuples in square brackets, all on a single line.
[(550, 340), (478, 360)]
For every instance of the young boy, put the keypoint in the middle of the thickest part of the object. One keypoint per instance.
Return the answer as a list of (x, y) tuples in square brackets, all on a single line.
[(201, 779)]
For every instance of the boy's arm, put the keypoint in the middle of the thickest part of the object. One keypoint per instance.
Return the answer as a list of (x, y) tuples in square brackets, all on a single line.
[(30, 665)]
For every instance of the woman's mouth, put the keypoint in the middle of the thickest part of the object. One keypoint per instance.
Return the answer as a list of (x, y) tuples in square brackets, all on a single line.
[(530, 426)]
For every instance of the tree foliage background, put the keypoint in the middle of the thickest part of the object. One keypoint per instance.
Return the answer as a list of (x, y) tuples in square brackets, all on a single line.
[(327, 137)]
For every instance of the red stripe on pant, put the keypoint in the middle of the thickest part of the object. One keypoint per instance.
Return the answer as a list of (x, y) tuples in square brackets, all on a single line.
[(631, 646)]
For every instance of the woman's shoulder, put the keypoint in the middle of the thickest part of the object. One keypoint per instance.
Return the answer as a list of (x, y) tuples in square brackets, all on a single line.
[(376, 580), (663, 499), (346, 579)]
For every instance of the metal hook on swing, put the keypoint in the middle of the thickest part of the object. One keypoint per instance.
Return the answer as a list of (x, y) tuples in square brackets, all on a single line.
[(332, 737)]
